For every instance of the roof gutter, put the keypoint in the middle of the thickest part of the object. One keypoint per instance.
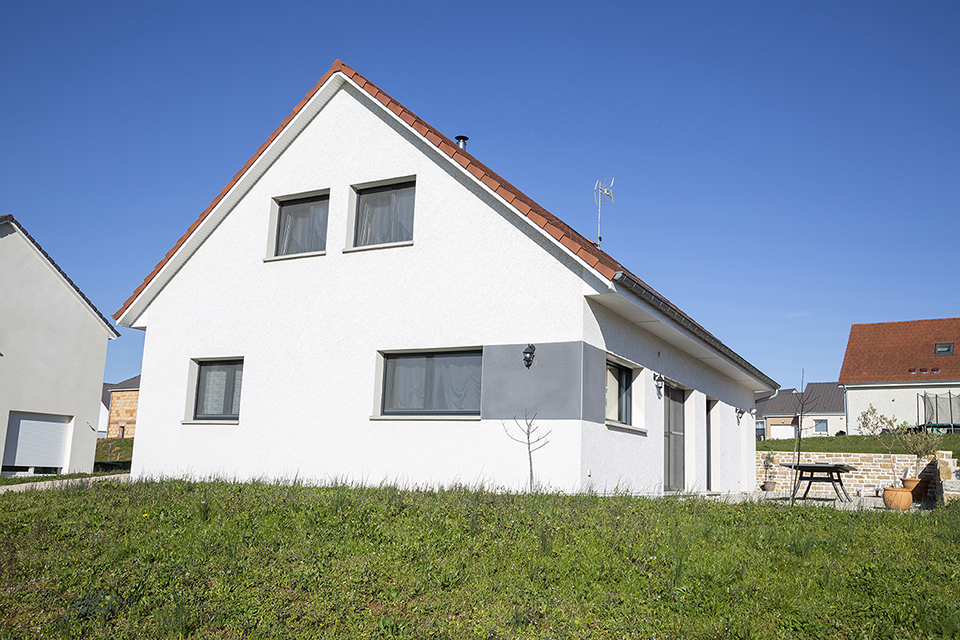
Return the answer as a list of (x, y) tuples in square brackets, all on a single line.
[(673, 314)]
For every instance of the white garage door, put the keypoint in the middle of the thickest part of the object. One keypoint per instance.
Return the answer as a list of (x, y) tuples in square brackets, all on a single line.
[(36, 440), (781, 431)]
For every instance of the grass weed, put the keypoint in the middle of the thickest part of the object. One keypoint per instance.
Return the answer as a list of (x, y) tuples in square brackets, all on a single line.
[(177, 559)]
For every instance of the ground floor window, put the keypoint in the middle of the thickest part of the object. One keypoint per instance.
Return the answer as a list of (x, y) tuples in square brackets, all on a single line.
[(761, 430), (619, 381), (218, 390), (820, 426), (443, 383)]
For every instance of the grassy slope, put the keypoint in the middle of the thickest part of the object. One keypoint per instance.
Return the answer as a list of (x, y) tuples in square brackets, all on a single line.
[(850, 444), (114, 450), (228, 560)]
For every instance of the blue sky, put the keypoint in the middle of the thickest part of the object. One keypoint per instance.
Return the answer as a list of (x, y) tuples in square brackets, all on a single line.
[(783, 169)]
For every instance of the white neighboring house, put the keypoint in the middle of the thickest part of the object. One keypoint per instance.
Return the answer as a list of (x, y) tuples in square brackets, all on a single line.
[(357, 302), (823, 412), (909, 371), (53, 347)]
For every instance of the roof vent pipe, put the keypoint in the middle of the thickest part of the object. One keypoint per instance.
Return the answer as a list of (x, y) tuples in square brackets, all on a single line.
[(462, 142)]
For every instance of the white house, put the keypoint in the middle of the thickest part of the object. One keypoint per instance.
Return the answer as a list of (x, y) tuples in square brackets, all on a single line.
[(362, 302), (909, 371), (53, 347), (822, 406)]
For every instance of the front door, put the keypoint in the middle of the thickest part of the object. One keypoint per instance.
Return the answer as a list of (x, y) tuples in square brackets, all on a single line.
[(673, 439)]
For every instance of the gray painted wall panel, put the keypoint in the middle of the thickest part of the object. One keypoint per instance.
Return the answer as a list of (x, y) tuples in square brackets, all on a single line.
[(594, 383), (551, 388)]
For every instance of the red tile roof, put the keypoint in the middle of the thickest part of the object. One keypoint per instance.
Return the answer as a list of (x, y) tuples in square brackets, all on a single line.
[(901, 352), (563, 233), (9, 218)]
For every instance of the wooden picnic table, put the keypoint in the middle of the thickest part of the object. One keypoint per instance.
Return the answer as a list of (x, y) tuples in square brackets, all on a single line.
[(808, 473)]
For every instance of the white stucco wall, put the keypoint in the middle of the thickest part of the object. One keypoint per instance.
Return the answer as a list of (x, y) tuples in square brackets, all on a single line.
[(309, 331), (897, 402), (53, 348), (835, 423)]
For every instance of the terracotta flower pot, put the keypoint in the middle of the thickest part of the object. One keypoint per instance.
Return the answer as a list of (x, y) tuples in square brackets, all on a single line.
[(897, 498), (769, 485), (918, 488)]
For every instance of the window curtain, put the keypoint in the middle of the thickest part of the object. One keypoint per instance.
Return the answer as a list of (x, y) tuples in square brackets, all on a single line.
[(303, 227), (218, 390), (433, 383), (385, 216)]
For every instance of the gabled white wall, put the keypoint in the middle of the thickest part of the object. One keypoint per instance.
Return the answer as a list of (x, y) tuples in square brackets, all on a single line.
[(54, 349), (309, 328)]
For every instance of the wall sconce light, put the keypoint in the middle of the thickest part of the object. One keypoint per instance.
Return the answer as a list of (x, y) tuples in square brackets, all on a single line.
[(740, 413), (658, 380), (528, 355)]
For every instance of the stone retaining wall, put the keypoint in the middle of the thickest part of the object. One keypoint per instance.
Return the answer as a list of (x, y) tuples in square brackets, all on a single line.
[(872, 470)]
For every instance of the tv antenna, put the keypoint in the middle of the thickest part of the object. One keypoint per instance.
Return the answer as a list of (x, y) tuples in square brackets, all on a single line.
[(602, 194)]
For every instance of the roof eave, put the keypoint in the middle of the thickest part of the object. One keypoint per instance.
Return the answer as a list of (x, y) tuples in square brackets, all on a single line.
[(674, 315)]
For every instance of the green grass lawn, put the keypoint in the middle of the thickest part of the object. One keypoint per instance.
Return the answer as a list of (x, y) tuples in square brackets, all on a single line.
[(850, 444), (114, 450), (177, 559)]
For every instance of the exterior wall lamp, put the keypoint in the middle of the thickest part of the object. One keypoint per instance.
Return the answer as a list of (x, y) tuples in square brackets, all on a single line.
[(740, 413), (658, 380), (528, 355)]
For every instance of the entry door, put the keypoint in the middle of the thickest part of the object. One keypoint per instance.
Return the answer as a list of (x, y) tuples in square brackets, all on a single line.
[(673, 439)]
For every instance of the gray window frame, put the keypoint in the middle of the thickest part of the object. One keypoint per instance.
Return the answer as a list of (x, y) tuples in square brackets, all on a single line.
[(947, 352), (367, 191), (280, 217), (428, 356), (624, 376), (230, 390)]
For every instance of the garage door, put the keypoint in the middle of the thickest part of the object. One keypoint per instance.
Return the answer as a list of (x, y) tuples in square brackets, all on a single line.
[(36, 440)]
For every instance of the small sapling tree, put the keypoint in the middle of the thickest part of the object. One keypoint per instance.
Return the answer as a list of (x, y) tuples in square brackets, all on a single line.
[(880, 428), (529, 436)]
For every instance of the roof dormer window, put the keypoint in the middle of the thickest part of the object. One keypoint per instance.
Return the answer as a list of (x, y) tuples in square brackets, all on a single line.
[(943, 349)]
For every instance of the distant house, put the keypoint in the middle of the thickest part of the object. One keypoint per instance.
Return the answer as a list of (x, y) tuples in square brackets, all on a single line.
[(909, 371), (119, 420), (823, 412), (53, 346), (367, 301)]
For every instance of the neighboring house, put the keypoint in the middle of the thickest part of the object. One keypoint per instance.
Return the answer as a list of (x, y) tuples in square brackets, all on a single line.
[(53, 347), (823, 412), (366, 301), (909, 371), (120, 400)]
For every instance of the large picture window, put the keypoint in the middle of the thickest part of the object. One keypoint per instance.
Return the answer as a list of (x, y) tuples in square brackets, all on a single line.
[(218, 390), (432, 383), (619, 380), (302, 225), (384, 215)]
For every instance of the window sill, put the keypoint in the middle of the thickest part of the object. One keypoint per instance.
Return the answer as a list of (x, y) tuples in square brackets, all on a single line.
[(613, 424), (291, 256), (227, 422), (414, 417), (388, 245)]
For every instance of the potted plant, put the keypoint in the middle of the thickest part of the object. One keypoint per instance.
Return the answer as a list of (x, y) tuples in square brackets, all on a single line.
[(768, 484), (921, 444), (882, 429)]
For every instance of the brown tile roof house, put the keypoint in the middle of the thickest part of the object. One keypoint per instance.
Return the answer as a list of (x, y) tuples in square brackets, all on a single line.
[(909, 371), (902, 352), (576, 243)]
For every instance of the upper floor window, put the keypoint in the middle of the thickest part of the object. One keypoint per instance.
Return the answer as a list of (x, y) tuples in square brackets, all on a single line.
[(943, 349), (302, 225), (218, 390), (384, 214), (619, 380), (446, 383)]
